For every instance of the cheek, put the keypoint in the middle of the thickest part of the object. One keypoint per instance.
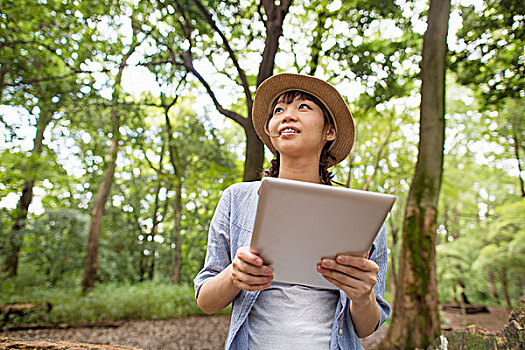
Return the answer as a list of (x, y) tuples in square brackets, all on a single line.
[(271, 125)]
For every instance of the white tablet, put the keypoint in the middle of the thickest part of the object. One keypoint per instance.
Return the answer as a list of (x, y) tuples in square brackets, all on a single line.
[(299, 223)]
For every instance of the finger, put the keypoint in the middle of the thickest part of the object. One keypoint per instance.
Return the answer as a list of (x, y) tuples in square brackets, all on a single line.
[(330, 264), (342, 278), (348, 267), (253, 288), (339, 285), (241, 265), (250, 279), (249, 257), (358, 262)]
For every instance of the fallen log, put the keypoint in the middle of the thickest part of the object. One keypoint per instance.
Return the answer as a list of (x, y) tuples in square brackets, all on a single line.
[(511, 336), (101, 324), (22, 309), (20, 344), (469, 308)]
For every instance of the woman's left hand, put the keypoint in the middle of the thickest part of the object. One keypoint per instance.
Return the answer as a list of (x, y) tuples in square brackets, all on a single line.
[(355, 275)]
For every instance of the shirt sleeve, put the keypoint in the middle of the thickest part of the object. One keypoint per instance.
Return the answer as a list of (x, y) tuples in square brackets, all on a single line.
[(218, 255), (379, 254)]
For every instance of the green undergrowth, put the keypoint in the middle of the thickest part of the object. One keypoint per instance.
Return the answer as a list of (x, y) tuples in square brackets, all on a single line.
[(107, 302)]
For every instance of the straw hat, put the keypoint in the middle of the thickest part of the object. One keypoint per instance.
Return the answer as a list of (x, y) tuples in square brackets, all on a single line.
[(278, 84)]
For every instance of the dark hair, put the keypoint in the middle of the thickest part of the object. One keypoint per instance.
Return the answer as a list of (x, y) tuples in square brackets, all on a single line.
[(287, 98)]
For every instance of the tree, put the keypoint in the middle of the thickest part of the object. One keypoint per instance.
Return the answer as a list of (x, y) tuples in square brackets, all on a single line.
[(489, 59), (55, 241), (504, 250), (194, 23), (415, 322), (489, 56), (97, 213), (41, 47)]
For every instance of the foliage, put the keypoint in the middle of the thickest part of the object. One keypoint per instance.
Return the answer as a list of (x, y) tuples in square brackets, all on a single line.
[(107, 302), (490, 53), (58, 60), (55, 243), (477, 192)]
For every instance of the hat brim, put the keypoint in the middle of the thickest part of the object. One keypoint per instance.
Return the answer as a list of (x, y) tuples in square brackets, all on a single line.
[(278, 84)]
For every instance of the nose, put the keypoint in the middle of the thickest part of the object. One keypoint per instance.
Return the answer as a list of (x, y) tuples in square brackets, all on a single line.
[(288, 116)]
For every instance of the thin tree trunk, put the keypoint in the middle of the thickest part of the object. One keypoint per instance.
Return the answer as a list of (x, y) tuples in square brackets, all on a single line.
[(156, 221), (415, 322), (274, 29), (517, 154), (463, 296), (275, 15), (455, 235), (151, 265), (3, 74), (254, 158), (462, 305), (176, 238), (504, 285), (446, 223), (315, 49), (493, 290), (454, 300), (392, 270), (351, 158), (97, 213), (177, 200), (15, 237), (378, 159)]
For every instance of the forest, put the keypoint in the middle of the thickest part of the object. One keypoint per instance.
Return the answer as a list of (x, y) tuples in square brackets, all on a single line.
[(122, 123)]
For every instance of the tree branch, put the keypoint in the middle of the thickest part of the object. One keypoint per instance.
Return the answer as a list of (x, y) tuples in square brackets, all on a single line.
[(241, 73), (187, 61)]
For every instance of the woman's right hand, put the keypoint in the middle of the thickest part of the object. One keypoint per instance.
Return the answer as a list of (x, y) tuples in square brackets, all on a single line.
[(249, 272)]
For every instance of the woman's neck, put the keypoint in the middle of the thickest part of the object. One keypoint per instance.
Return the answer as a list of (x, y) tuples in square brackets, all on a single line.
[(300, 169)]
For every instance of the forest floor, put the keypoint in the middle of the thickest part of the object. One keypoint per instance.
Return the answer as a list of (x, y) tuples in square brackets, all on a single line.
[(210, 332)]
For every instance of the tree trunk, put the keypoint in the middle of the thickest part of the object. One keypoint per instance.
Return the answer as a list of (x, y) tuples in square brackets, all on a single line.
[(493, 290), (176, 238), (3, 74), (511, 336), (156, 221), (15, 237), (351, 158), (517, 153), (504, 286), (317, 41), (415, 322), (97, 213), (151, 265), (254, 159), (275, 15), (378, 159), (392, 270)]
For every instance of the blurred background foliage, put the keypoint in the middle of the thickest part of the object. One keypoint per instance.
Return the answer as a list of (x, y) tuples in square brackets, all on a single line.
[(58, 62)]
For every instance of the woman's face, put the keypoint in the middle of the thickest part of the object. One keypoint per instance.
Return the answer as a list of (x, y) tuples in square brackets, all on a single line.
[(298, 129)]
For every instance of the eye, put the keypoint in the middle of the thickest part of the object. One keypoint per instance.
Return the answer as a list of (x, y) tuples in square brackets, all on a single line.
[(277, 110), (304, 105)]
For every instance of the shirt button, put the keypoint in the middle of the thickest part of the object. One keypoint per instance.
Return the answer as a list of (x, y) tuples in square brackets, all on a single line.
[(340, 331)]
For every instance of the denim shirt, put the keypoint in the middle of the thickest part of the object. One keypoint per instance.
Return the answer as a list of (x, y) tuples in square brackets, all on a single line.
[(231, 228)]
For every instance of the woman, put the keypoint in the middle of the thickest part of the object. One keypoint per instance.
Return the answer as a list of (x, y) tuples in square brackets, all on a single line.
[(307, 125)]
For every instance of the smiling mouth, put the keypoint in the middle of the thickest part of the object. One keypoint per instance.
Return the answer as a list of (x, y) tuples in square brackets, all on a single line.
[(289, 131)]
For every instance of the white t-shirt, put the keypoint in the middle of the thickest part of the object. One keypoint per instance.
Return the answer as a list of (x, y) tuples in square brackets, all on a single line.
[(292, 317)]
